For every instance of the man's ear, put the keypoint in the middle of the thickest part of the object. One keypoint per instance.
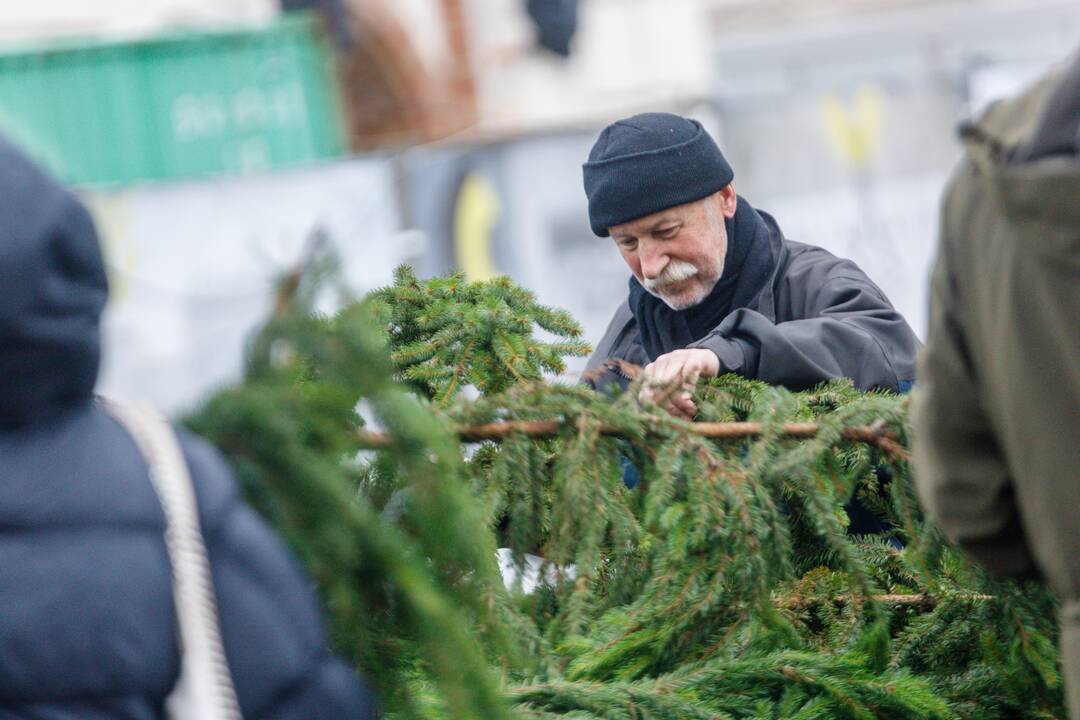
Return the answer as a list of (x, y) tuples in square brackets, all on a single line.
[(728, 200)]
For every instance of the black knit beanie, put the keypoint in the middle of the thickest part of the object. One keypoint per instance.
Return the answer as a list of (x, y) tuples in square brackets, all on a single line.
[(647, 163)]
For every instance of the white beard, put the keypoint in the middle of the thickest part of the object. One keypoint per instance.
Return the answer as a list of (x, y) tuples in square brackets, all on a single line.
[(677, 271)]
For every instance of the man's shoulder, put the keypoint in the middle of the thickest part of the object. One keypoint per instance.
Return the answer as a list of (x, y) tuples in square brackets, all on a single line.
[(623, 315), (813, 274), (806, 261), (622, 322), (620, 340)]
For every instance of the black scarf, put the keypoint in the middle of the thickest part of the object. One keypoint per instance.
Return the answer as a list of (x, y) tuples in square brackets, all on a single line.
[(748, 267)]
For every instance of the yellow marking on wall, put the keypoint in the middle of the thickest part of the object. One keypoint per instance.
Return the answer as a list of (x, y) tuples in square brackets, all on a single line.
[(475, 215), (110, 218), (855, 127)]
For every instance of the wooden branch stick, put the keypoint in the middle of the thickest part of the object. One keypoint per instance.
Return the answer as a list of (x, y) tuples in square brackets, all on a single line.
[(875, 435), (921, 601)]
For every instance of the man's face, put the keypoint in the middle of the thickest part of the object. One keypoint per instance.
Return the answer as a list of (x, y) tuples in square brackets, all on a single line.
[(678, 254)]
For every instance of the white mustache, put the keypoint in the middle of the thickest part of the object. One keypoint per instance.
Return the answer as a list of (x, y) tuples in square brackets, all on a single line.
[(675, 272)]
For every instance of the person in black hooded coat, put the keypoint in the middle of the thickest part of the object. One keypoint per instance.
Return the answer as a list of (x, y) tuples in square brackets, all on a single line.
[(87, 620)]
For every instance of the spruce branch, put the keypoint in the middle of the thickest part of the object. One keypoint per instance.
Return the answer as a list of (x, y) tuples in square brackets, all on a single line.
[(446, 334)]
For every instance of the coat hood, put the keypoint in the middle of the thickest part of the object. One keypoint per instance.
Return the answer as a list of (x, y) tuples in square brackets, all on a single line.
[(1057, 131), (52, 291), (1029, 148)]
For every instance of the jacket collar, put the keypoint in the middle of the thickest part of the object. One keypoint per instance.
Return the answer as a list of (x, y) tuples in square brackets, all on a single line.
[(765, 302)]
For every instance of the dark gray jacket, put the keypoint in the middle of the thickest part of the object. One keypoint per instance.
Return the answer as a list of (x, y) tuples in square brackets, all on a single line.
[(819, 318), (87, 621)]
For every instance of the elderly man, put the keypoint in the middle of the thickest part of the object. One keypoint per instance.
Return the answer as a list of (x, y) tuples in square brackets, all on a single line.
[(715, 286)]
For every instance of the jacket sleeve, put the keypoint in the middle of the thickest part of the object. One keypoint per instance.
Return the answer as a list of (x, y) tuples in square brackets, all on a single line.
[(849, 330), (271, 622), (960, 472)]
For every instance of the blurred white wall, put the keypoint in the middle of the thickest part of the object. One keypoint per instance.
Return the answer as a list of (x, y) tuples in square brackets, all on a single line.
[(625, 57), (193, 267), (43, 19)]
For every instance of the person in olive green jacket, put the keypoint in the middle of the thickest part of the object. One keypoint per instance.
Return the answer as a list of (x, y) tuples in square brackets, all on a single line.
[(997, 403)]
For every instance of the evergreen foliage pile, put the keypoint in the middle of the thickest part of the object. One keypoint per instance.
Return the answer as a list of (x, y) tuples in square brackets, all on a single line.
[(447, 334), (724, 585)]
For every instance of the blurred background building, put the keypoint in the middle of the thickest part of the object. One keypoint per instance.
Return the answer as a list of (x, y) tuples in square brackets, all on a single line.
[(214, 139)]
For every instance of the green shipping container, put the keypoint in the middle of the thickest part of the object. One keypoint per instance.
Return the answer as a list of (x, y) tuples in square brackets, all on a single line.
[(178, 105)]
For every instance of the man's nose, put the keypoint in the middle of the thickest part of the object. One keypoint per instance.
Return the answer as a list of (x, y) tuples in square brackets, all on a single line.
[(653, 260)]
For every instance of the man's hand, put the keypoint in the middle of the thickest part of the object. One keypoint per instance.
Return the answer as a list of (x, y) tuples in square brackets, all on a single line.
[(670, 379)]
